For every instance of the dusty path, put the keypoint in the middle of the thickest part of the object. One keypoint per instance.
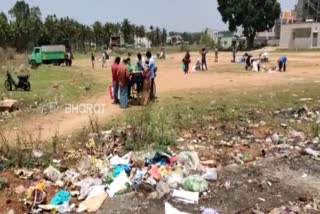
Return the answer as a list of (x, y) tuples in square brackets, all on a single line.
[(303, 67)]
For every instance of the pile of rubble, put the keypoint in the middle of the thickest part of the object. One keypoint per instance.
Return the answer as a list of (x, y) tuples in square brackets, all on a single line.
[(96, 177)]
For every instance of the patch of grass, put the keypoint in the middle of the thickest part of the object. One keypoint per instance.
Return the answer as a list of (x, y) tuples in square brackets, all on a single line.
[(53, 84), (158, 125)]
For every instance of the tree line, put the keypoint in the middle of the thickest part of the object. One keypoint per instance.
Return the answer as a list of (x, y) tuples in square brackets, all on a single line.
[(23, 29)]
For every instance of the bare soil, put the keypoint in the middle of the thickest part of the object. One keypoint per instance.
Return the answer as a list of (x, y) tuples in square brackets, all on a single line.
[(222, 76)]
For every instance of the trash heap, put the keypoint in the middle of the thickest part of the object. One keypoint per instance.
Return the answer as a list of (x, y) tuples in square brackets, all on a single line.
[(85, 187)]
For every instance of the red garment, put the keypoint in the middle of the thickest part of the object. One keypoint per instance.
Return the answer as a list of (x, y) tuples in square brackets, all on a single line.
[(123, 75), (114, 69)]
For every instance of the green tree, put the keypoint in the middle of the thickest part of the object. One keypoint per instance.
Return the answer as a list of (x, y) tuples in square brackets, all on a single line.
[(98, 33), (252, 15), (140, 31), (4, 30), (20, 14), (127, 31), (164, 36)]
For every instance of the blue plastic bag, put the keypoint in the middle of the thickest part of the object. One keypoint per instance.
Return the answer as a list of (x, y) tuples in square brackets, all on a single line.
[(60, 197)]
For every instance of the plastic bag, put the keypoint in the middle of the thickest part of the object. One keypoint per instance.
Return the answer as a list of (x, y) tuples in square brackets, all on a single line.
[(60, 197), (52, 174), (195, 183), (86, 186), (211, 174), (190, 161), (174, 179), (162, 188)]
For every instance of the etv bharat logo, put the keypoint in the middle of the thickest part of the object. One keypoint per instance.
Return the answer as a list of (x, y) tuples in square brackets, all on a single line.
[(85, 108)]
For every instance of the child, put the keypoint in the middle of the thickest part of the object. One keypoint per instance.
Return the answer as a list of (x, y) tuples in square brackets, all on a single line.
[(185, 63)]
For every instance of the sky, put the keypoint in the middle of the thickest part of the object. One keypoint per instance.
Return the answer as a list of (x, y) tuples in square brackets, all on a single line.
[(175, 15)]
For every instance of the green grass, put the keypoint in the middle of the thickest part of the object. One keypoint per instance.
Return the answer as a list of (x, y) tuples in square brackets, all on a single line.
[(71, 84), (160, 124)]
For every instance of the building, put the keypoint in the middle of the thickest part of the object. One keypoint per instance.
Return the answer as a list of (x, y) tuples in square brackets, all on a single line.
[(175, 40), (271, 37), (300, 36), (300, 28), (308, 10), (213, 34), (226, 39), (142, 42)]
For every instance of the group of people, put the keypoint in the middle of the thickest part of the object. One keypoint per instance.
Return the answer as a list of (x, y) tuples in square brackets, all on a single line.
[(124, 76), (200, 64), (255, 64), (104, 58)]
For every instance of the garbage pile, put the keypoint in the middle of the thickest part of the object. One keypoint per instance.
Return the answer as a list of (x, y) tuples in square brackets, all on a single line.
[(299, 114), (86, 186)]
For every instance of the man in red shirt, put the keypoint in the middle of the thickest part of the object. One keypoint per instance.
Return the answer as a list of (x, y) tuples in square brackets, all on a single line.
[(123, 80), (115, 84)]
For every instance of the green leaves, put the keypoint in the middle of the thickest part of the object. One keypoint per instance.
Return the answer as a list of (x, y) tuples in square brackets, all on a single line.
[(252, 15)]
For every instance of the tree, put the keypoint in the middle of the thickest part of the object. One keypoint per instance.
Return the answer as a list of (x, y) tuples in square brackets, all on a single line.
[(140, 31), (4, 30), (98, 33), (252, 15), (164, 36), (127, 31), (20, 14)]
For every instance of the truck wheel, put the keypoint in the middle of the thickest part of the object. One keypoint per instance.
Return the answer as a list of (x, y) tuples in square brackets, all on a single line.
[(34, 65)]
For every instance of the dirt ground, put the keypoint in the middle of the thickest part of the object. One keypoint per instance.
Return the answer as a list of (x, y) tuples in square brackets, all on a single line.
[(302, 67), (265, 184)]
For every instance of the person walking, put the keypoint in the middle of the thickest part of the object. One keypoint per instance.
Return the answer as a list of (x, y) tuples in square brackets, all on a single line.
[(115, 84), (203, 53), (123, 80), (185, 63), (216, 55), (234, 54), (104, 58), (92, 60)]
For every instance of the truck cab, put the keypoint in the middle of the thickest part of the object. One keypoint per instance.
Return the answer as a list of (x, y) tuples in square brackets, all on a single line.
[(35, 58)]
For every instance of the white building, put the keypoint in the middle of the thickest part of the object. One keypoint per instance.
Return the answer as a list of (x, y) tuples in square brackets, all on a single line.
[(142, 42)]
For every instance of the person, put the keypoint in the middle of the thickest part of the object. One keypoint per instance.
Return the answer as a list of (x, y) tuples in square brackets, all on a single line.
[(139, 64), (123, 80), (146, 73), (197, 66), (104, 58), (115, 84), (216, 55), (92, 60), (153, 70), (203, 53), (256, 65), (248, 60), (282, 63), (68, 58), (185, 63), (128, 63), (234, 54), (264, 56)]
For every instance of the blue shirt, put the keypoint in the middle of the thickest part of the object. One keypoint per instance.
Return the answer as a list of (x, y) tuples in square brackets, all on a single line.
[(283, 59), (152, 67)]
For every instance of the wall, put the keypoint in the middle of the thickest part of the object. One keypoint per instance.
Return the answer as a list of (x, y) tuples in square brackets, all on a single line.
[(287, 41)]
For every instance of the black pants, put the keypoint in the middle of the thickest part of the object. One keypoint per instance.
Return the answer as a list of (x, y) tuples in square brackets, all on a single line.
[(204, 65), (282, 66)]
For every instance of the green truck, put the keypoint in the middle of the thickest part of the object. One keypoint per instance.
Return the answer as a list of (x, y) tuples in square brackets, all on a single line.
[(49, 54)]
